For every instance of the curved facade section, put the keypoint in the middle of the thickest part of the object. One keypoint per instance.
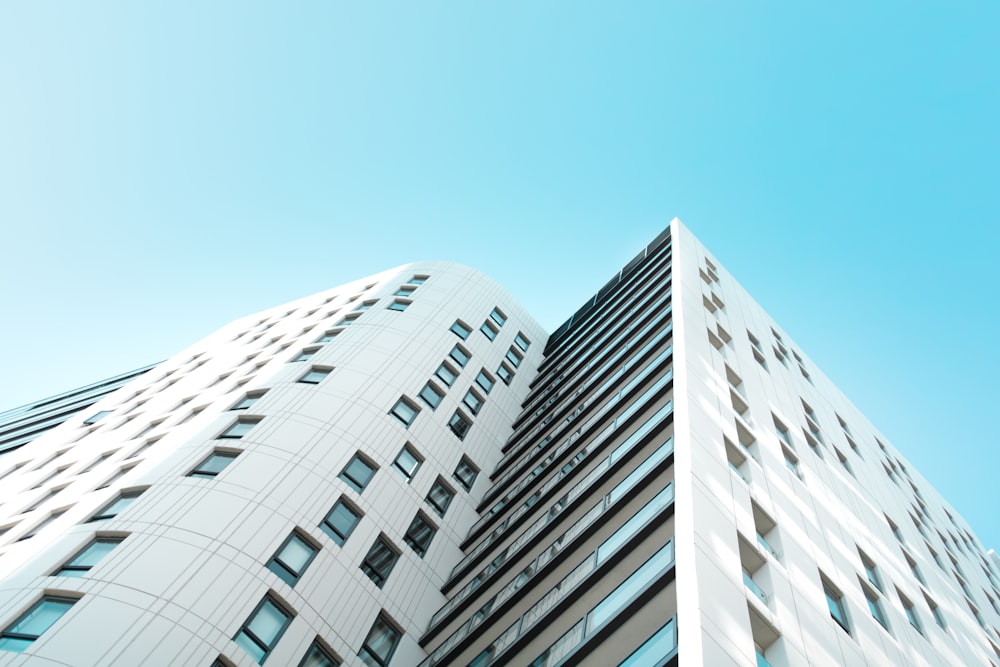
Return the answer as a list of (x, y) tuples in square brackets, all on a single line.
[(301, 478)]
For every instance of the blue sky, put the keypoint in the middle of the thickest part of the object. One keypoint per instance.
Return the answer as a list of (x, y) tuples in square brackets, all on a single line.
[(168, 167)]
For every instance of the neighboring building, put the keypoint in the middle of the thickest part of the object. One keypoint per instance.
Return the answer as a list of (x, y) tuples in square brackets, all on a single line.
[(20, 426), (407, 470)]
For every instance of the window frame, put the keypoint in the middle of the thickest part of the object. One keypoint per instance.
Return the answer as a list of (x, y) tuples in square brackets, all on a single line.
[(460, 355), (102, 514), (466, 463), (69, 566), (333, 531), (351, 477), (418, 461), (10, 633), (450, 371), (285, 571), (439, 483), (460, 424), (410, 537), (231, 455), (461, 329), (485, 381), (264, 646), (367, 653), (379, 572), (835, 605), (413, 408), (434, 391), (232, 432)]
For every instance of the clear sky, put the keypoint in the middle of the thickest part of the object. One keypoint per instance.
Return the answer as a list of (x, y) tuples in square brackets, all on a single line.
[(166, 167)]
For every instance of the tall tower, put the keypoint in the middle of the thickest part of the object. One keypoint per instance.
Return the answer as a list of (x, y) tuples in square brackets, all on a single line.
[(407, 470)]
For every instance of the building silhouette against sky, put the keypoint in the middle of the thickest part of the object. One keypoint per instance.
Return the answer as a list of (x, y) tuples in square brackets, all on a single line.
[(407, 470)]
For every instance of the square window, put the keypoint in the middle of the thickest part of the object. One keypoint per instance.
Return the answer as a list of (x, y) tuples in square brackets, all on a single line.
[(513, 357), (488, 330), (380, 643), (446, 374), (379, 562), (263, 629), (405, 411), (439, 497), (498, 317), (317, 656), (239, 429), (466, 473), (248, 400), (419, 534), (33, 623), (460, 355), (341, 521), (431, 395), (91, 555), (473, 401), (461, 329), (315, 375), (116, 506), (358, 473), (407, 462), (485, 381), (214, 464), (505, 373), (521, 341), (459, 424), (292, 558), (398, 305)]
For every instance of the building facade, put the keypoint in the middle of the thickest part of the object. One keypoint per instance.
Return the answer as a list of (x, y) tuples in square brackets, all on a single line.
[(408, 470)]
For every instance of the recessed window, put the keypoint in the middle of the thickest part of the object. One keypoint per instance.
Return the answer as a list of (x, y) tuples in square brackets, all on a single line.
[(91, 555), (365, 305), (306, 354), (116, 506), (485, 381), (521, 341), (239, 429), (348, 319), (439, 497), (513, 356), (405, 290), (318, 656), (875, 606), (292, 558), (460, 355), (398, 305), (407, 462), (380, 643), (935, 612), (405, 411), (835, 603), (93, 419), (498, 317), (505, 373), (248, 400), (466, 473), (42, 524), (327, 336), (33, 623), (431, 395), (871, 571), (341, 521), (446, 374), (263, 629), (214, 464), (379, 562), (418, 279), (911, 613), (419, 534), (358, 473), (315, 375), (461, 329), (473, 401), (459, 424), (489, 330)]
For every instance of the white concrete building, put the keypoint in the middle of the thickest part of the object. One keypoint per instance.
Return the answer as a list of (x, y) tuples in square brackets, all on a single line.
[(407, 470)]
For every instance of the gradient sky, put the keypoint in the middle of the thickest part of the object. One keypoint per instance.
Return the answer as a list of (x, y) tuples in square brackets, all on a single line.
[(168, 167)]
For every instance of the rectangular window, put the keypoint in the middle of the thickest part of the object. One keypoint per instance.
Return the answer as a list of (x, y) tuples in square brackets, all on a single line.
[(431, 395), (365, 305), (33, 623), (380, 643), (513, 356), (460, 355), (485, 381), (91, 555), (446, 374), (358, 472), (459, 424), (348, 319), (399, 305), (419, 534), (248, 400), (505, 373), (318, 656), (315, 375), (214, 464), (239, 429), (407, 462), (263, 629), (292, 558), (875, 606), (404, 291), (498, 317), (439, 497), (461, 329), (116, 506), (935, 612), (911, 613), (306, 354), (871, 572), (379, 562), (327, 336), (835, 603), (340, 522), (405, 411), (473, 401), (489, 330), (97, 417), (521, 341), (466, 473)]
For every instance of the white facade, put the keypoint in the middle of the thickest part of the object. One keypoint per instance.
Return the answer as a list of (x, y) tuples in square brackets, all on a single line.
[(669, 428)]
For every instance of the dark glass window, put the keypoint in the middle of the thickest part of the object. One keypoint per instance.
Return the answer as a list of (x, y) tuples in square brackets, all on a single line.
[(407, 462), (340, 522), (484, 381), (380, 643), (419, 535), (405, 411), (431, 395), (466, 473), (317, 656), (379, 562), (358, 473), (460, 355), (459, 424), (461, 329), (439, 497)]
